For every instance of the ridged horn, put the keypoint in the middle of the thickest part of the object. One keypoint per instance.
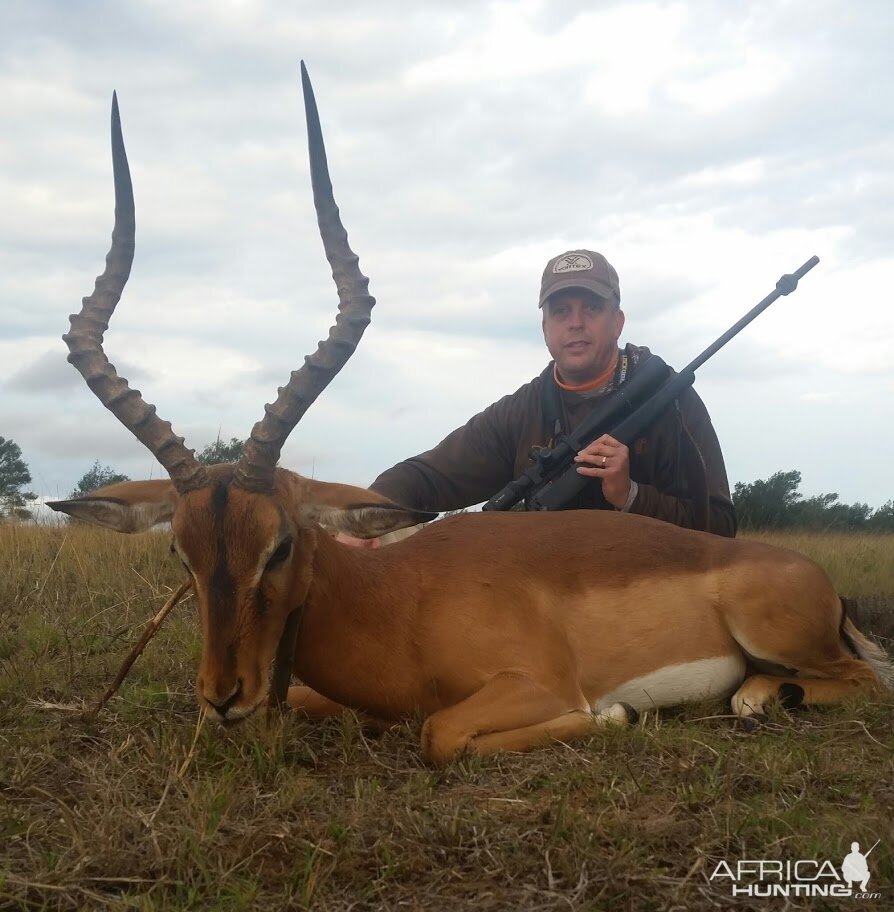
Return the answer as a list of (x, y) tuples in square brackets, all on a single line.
[(84, 341), (254, 471)]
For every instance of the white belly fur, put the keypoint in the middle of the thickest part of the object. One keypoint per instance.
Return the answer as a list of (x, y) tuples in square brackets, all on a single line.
[(674, 684)]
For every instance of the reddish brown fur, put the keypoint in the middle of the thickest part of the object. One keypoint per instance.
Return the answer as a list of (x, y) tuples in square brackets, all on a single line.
[(502, 628)]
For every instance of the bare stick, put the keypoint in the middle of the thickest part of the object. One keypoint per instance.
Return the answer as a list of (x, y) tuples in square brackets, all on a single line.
[(148, 633)]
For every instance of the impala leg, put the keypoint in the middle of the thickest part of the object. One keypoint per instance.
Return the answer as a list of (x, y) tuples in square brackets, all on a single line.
[(312, 704), (841, 679), (315, 706), (511, 712), (575, 724), (806, 637)]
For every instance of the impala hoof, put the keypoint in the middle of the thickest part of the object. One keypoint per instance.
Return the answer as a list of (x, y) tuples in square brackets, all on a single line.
[(631, 712), (620, 712), (752, 723)]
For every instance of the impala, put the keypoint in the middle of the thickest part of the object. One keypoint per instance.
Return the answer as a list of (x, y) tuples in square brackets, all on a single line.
[(505, 630)]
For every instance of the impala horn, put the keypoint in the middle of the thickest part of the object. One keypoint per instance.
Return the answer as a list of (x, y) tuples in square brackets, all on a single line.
[(254, 471), (84, 341)]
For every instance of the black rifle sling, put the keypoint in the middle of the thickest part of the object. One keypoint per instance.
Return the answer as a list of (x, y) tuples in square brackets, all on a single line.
[(551, 402), (695, 473)]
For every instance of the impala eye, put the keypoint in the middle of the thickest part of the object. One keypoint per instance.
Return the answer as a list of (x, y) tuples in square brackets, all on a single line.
[(284, 549)]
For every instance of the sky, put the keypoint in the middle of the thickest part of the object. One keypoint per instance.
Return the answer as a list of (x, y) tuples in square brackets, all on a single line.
[(704, 148)]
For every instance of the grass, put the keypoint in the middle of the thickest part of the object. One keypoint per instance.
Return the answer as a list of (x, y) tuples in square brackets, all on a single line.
[(147, 808)]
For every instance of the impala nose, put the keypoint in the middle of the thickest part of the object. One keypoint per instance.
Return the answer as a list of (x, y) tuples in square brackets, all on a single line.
[(223, 704)]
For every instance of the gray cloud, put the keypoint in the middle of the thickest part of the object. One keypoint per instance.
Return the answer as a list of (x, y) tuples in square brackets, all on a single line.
[(465, 149), (46, 374)]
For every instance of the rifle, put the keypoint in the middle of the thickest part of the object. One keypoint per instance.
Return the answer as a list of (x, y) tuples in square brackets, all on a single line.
[(553, 480)]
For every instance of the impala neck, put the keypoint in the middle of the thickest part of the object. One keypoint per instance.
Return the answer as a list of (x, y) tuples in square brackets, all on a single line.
[(353, 633), (343, 580)]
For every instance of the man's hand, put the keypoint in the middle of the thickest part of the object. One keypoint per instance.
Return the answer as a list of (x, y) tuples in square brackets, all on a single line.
[(609, 460)]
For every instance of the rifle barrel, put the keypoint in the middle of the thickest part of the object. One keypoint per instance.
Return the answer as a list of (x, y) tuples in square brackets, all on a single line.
[(786, 285)]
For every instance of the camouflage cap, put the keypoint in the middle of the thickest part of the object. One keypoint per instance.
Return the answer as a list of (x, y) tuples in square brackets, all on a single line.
[(580, 269)]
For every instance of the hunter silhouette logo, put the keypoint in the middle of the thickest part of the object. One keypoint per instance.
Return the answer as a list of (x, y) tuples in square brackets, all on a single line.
[(573, 262), (854, 867), (761, 877)]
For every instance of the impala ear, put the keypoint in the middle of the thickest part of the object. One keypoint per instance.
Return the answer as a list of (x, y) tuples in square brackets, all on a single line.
[(129, 506), (365, 520), (356, 511)]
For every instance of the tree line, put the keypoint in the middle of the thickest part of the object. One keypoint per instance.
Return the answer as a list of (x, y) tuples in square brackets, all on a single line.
[(776, 503), (770, 503), (15, 475)]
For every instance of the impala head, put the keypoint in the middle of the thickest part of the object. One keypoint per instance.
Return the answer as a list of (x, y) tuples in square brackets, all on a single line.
[(250, 555), (245, 532), (250, 565)]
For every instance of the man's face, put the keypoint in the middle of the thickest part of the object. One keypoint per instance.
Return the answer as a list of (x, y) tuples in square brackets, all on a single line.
[(581, 331)]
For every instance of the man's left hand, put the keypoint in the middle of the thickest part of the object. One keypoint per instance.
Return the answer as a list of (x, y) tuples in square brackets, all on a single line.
[(609, 460)]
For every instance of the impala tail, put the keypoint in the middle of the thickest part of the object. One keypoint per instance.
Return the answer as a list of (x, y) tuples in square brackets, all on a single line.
[(864, 648)]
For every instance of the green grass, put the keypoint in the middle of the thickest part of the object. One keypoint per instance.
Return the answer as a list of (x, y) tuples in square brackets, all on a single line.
[(146, 808)]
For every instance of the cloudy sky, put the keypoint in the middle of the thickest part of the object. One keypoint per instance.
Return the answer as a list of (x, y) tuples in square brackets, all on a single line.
[(704, 147)]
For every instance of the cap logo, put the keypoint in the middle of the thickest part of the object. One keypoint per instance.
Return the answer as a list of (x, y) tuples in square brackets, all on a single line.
[(573, 262)]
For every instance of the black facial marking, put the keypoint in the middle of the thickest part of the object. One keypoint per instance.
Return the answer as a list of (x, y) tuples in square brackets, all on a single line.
[(219, 497), (222, 584)]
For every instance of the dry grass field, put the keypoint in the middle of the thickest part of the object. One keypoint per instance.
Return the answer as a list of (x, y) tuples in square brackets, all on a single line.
[(147, 808)]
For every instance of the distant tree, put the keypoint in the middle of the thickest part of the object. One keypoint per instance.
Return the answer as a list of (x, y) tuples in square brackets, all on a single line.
[(855, 515), (222, 451), (98, 476), (775, 503), (883, 518), (14, 475), (825, 512), (767, 504), (814, 512)]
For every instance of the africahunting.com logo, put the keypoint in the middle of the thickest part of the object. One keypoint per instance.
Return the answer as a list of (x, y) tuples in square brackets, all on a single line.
[(761, 877)]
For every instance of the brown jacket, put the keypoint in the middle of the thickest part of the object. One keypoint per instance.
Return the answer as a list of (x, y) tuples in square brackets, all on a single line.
[(474, 462)]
